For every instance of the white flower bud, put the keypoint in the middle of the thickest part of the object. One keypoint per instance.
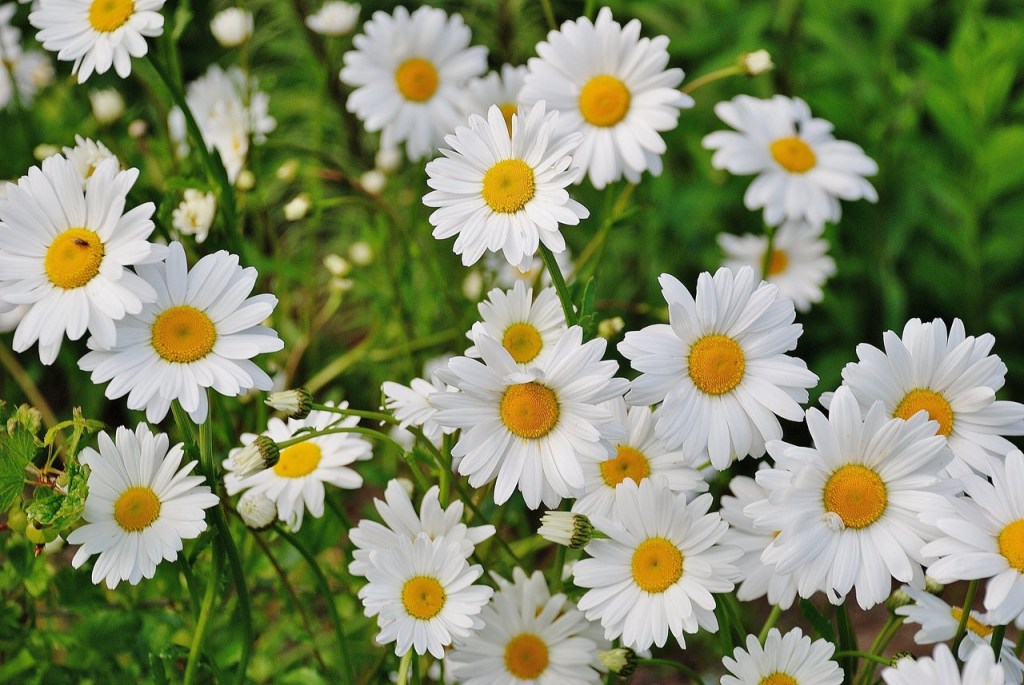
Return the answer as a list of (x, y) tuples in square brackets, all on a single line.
[(756, 62), (256, 509), (297, 208), (232, 27), (334, 19), (373, 181)]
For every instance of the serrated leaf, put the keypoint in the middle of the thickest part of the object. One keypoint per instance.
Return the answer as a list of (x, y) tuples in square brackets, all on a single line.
[(15, 453)]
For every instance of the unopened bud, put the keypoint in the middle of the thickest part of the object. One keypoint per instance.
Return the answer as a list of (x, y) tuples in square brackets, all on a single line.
[(298, 207), (295, 403), (756, 62), (900, 656), (246, 180), (621, 661), (256, 509), (260, 454), (608, 328), (373, 181), (566, 528), (931, 586), (899, 598)]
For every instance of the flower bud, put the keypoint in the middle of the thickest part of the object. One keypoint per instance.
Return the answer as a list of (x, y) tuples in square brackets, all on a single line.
[(232, 27), (256, 509), (621, 661), (295, 403), (262, 453), (566, 528), (107, 105), (756, 62), (297, 208)]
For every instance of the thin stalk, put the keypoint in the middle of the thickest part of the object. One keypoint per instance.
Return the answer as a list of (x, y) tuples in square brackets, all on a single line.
[(549, 14), (192, 666), (769, 251), (847, 642), (854, 654), (998, 633), (559, 282), (769, 623), (403, 668), (241, 589), (374, 415), (606, 226), (184, 423), (885, 635), (24, 381), (710, 77), (965, 615), (672, 664)]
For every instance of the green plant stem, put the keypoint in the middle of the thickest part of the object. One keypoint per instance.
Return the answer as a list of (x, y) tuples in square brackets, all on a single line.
[(769, 623), (25, 382), (610, 220), (769, 250), (368, 432), (325, 589), (965, 615), (672, 664), (374, 415), (559, 282), (192, 665), (710, 77), (885, 635), (998, 633), (854, 654), (403, 668), (847, 642), (549, 14), (184, 422), (241, 589)]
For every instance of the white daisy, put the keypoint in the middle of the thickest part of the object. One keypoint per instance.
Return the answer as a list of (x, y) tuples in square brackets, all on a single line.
[(334, 18), (847, 508), (401, 520), (984, 538), (502, 191), (296, 482), (408, 72), (612, 86), (200, 333), (195, 214), (799, 264), (528, 329), (495, 88), (423, 595), (739, 510), (980, 669), (64, 251), (790, 659), (529, 636), (411, 405), (86, 155), (531, 428), (951, 377), (640, 455), (939, 622), (803, 171), (658, 568), (97, 34), (720, 366), (140, 506)]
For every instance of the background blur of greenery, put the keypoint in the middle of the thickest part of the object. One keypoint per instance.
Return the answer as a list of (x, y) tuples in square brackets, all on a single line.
[(932, 91)]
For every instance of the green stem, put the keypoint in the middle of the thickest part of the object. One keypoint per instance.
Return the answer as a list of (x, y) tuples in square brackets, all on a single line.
[(700, 82), (192, 666), (854, 654), (965, 615), (368, 432), (610, 220), (998, 633), (241, 589), (847, 642), (769, 623), (24, 381), (882, 640), (403, 668), (769, 250), (559, 282), (184, 422), (549, 14), (328, 595), (672, 664), (374, 415)]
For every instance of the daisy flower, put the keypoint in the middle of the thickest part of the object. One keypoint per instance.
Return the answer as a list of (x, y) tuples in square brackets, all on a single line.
[(86, 155), (502, 191), (140, 506), (803, 171), (799, 264), (296, 482), (529, 636), (790, 658), (613, 87), (941, 669), (335, 18), (411, 405), (496, 88), (655, 572), (939, 622), (200, 333), (408, 72), (847, 508), (983, 537), (951, 376), (423, 596), (530, 428), (64, 251), (528, 329), (739, 510), (640, 455), (97, 34), (720, 366), (401, 520)]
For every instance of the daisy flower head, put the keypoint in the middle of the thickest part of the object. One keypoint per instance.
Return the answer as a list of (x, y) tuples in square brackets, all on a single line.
[(201, 332), (947, 374), (65, 252), (334, 18), (656, 571), (612, 86), (941, 669), (401, 520), (296, 482), (529, 636), (847, 508), (638, 456), (408, 71), (983, 537), (803, 171), (790, 659), (142, 503), (86, 155), (97, 34), (501, 191), (528, 329), (411, 405), (799, 264), (530, 428), (720, 366), (423, 596), (499, 88)]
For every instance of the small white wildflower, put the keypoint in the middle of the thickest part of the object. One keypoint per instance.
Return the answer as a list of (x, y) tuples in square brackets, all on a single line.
[(232, 27), (195, 214)]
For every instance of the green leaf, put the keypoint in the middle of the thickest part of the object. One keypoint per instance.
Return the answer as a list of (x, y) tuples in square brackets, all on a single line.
[(822, 626), (62, 506), (16, 451)]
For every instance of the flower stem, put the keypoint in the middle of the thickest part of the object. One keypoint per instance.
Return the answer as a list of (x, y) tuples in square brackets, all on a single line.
[(965, 615), (998, 633), (549, 14), (694, 676), (375, 415), (847, 643), (769, 623), (881, 642), (24, 381), (192, 666), (854, 654), (710, 77), (769, 251), (403, 668), (559, 282)]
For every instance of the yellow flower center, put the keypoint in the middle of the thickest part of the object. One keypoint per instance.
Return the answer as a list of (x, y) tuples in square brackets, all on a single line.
[(136, 509), (716, 364), (1011, 544), (857, 494), (183, 334), (526, 656), (109, 15), (628, 462), (657, 564), (973, 624), (523, 342), (507, 110), (778, 678), (793, 154), (604, 101), (423, 597), (529, 410), (932, 402), (778, 262), (416, 79), (74, 258), (508, 186), (298, 460)]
